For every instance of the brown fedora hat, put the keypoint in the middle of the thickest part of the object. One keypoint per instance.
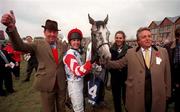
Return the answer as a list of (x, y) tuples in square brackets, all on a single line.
[(51, 25)]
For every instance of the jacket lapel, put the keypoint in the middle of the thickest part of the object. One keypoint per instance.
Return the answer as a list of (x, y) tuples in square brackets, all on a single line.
[(59, 47), (140, 57), (48, 48), (153, 57)]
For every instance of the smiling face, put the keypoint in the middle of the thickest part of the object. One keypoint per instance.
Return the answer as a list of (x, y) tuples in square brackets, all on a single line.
[(145, 39), (119, 39), (75, 43), (51, 35)]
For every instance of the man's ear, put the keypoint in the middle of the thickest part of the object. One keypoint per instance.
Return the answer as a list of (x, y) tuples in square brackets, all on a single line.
[(44, 31)]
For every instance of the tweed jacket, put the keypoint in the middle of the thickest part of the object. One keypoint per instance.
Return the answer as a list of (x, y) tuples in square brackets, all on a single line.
[(48, 71)]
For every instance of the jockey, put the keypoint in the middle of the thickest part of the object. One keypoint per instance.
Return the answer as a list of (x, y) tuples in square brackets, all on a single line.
[(75, 70)]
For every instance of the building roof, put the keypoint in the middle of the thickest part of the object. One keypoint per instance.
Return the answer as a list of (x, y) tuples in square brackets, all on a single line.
[(154, 24), (173, 19), (157, 22)]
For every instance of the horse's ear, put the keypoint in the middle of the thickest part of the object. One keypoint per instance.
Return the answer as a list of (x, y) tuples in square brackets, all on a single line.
[(106, 19), (91, 20)]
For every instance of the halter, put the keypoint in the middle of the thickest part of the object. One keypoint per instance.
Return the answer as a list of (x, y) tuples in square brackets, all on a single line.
[(95, 34), (102, 45), (107, 37)]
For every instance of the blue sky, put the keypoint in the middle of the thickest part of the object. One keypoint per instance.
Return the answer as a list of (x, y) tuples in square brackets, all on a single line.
[(126, 15)]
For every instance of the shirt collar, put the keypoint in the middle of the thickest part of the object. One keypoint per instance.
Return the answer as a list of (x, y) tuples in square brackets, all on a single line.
[(150, 49), (53, 45)]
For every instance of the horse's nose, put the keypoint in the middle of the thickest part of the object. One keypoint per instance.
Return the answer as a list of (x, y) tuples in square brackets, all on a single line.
[(109, 56)]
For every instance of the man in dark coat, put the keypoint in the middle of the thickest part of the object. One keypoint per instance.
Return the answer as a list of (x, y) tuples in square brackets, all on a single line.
[(6, 66), (174, 56), (176, 69)]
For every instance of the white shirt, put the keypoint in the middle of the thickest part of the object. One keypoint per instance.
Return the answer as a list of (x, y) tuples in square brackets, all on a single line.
[(143, 51)]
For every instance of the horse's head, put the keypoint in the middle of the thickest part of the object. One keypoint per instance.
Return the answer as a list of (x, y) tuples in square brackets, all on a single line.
[(100, 37)]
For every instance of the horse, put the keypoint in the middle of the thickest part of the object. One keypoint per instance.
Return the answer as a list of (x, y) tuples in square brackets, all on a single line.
[(100, 38), (99, 48)]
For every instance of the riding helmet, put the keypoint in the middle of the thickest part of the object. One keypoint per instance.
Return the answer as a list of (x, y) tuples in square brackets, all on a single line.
[(75, 34)]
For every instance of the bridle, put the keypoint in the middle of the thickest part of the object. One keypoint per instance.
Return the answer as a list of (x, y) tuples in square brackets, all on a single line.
[(93, 35), (102, 45)]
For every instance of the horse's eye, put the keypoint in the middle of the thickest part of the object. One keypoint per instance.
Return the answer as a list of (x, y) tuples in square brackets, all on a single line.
[(107, 38), (94, 35), (101, 38), (107, 33)]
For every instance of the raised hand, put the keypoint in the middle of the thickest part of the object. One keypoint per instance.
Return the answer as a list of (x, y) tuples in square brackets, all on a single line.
[(8, 19)]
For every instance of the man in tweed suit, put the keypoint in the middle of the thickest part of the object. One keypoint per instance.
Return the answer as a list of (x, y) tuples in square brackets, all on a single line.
[(50, 76)]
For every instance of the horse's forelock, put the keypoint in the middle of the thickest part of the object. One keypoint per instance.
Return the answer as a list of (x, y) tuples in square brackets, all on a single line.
[(100, 23), (99, 26), (97, 41)]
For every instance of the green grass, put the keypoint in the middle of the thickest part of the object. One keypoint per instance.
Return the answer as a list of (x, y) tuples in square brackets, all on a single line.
[(26, 99)]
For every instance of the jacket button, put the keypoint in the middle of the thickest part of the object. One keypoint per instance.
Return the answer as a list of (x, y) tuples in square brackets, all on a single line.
[(140, 71)]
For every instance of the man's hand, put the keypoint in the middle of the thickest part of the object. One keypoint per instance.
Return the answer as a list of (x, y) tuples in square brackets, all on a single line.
[(8, 65), (11, 65), (8, 19), (104, 61)]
